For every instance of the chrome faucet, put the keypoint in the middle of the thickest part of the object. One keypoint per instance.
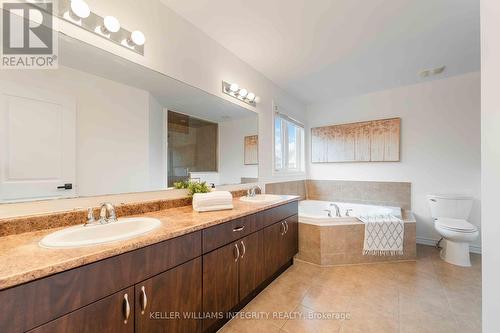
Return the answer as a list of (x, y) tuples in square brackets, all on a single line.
[(107, 213), (337, 209), (90, 217), (251, 190)]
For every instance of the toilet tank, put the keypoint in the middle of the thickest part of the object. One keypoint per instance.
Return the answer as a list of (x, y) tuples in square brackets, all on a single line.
[(451, 206)]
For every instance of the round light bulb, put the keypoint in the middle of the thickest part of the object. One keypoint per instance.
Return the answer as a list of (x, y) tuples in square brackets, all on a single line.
[(80, 8), (111, 24), (257, 99), (251, 96), (138, 38), (234, 87), (243, 93)]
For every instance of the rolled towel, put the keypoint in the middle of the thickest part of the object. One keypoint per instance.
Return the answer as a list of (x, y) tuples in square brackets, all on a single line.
[(217, 200)]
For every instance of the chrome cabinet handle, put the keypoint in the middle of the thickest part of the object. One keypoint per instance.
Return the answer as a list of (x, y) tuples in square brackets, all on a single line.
[(282, 228), (237, 253), (244, 249), (126, 308), (286, 227), (144, 300), (238, 229)]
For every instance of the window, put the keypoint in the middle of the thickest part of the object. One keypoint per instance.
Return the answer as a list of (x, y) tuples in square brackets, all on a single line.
[(288, 144)]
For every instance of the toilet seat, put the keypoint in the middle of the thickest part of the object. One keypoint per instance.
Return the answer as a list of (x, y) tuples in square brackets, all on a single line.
[(457, 225)]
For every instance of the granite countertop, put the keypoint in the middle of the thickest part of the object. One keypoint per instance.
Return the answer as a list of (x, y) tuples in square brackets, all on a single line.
[(23, 260)]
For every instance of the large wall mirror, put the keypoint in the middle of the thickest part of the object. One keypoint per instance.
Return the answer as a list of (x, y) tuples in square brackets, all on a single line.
[(103, 125)]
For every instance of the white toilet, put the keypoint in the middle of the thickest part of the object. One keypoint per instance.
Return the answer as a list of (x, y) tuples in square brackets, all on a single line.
[(450, 213)]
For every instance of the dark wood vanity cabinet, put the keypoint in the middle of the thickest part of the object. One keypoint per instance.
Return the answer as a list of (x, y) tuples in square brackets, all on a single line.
[(251, 266), (164, 287), (291, 236), (168, 302), (113, 314), (230, 274), (220, 282), (171, 301), (281, 243)]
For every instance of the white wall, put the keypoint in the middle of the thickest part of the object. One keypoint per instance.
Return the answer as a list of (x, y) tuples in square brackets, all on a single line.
[(231, 150), (115, 150), (177, 48), (440, 149), (490, 130)]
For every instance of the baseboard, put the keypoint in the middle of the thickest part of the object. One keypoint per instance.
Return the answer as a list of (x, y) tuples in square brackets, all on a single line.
[(432, 242)]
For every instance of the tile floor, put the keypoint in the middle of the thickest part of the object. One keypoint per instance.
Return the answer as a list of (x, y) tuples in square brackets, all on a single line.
[(428, 295)]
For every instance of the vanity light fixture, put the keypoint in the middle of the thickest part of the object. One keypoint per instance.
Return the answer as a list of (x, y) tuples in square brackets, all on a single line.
[(136, 38), (78, 10), (78, 13), (242, 94), (234, 87), (110, 25)]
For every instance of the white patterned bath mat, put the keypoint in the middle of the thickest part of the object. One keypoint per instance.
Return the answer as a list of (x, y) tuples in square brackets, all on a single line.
[(384, 235)]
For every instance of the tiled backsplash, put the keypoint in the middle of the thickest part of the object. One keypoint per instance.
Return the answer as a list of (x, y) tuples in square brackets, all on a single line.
[(17, 225), (369, 192), (289, 188), (376, 193)]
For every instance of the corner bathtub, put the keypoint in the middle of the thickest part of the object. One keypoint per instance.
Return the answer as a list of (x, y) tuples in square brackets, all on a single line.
[(316, 212), (329, 241)]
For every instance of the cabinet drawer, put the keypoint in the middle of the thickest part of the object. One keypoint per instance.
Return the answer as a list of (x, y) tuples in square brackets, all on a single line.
[(38, 302), (114, 314), (222, 234), (279, 213)]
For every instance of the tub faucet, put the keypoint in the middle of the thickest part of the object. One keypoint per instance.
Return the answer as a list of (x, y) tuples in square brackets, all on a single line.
[(337, 209)]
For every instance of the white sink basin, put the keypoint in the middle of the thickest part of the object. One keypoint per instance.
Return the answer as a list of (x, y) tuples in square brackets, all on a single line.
[(261, 198), (80, 236)]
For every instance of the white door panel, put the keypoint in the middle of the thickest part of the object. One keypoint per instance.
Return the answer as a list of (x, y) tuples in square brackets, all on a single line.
[(37, 143)]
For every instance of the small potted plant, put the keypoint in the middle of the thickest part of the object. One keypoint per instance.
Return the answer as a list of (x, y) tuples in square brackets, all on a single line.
[(193, 187)]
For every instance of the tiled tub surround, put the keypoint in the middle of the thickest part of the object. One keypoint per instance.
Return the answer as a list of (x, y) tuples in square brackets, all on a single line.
[(341, 244), (296, 187), (22, 260), (397, 194)]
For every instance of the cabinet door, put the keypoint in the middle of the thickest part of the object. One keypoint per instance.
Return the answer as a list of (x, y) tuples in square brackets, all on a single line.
[(251, 270), (274, 251), (220, 281), (171, 301), (112, 314), (292, 237)]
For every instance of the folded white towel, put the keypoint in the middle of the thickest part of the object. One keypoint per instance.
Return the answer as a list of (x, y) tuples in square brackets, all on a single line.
[(217, 200), (384, 235)]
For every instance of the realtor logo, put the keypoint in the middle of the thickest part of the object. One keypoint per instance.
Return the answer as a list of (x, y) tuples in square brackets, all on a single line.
[(29, 40)]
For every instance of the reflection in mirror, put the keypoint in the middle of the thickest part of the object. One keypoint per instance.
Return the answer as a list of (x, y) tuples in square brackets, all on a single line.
[(192, 147), (103, 125)]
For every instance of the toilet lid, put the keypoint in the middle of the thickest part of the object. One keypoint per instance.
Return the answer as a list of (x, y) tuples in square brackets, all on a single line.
[(455, 224)]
